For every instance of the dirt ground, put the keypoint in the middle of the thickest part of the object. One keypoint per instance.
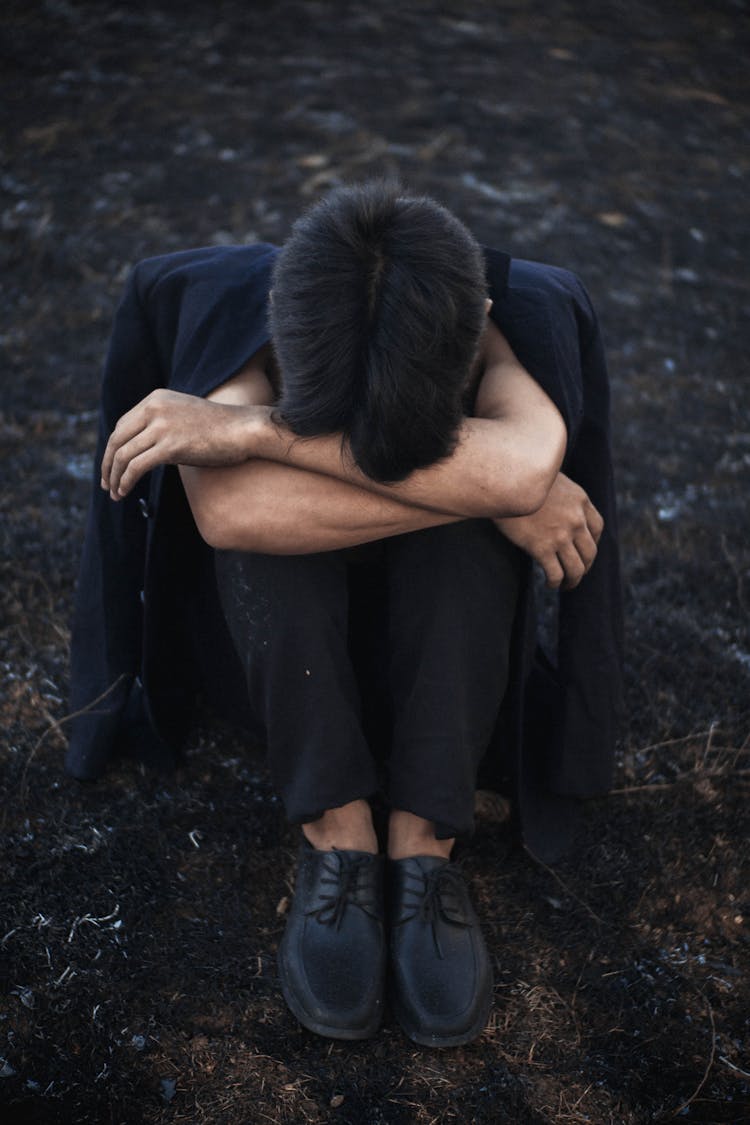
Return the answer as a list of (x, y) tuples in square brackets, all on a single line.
[(139, 917)]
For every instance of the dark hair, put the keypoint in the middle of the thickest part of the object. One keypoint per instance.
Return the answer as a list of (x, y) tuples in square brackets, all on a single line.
[(377, 309)]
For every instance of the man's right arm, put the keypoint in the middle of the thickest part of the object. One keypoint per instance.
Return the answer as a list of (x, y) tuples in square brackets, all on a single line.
[(275, 508), (504, 462), (279, 510)]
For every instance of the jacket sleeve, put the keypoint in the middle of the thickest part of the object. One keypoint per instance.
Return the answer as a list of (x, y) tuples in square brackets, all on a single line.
[(590, 624), (551, 325), (106, 631), (187, 320)]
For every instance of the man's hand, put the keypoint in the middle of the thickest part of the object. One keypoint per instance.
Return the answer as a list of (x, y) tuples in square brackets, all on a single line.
[(562, 536), (171, 428)]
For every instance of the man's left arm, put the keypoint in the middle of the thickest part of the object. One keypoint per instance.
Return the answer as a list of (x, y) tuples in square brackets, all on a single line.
[(561, 533), (503, 464)]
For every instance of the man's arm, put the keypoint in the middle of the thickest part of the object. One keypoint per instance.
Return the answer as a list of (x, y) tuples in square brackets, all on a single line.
[(562, 536), (504, 463), (276, 508), (279, 509)]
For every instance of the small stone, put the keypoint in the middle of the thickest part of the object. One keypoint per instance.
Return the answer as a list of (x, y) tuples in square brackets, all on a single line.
[(26, 996), (738, 919), (612, 218), (336, 1101), (168, 1088), (282, 905), (313, 160)]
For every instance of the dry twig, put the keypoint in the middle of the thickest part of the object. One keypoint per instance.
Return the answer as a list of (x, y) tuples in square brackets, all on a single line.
[(55, 726), (709, 1064), (567, 889)]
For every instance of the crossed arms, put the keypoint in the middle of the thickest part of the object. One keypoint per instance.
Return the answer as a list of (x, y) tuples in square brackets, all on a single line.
[(254, 486)]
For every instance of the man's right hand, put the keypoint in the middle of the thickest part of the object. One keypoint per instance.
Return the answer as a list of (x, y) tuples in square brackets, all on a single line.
[(171, 428), (562, 536)]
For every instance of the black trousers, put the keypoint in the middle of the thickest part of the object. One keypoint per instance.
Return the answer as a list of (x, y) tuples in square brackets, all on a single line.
[(377, 669)]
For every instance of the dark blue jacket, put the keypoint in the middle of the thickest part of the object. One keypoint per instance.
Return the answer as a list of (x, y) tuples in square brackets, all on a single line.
[(148, 631)]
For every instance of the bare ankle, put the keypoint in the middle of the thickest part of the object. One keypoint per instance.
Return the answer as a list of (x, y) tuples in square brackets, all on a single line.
[(349, 827), (409, 835)]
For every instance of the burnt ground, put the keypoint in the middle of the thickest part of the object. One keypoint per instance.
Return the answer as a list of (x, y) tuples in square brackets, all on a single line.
[(140, 916)]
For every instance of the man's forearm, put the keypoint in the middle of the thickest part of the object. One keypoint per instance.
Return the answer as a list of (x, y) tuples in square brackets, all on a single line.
[(278, 509), (496, 469), (504, 462)]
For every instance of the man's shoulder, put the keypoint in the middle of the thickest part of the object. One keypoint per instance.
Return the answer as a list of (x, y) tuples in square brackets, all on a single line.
[(538, 290), (524, 283), (546, 278), (213, 265)]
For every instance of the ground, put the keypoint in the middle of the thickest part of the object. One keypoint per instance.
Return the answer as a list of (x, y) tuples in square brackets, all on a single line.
[(140, 916)]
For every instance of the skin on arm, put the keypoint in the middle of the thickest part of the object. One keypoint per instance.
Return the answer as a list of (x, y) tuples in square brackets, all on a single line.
[(296, 504), (562, 536), (276, 508), (505, 462)]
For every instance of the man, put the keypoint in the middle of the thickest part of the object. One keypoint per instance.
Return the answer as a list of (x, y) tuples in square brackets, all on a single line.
[(389, 439)]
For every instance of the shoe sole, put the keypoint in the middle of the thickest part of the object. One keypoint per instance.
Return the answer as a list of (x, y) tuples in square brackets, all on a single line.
[(426, 1040), (366, 1032)]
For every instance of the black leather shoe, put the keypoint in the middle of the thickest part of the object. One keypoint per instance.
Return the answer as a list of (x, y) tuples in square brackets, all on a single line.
[(441, 978), (332, 955)]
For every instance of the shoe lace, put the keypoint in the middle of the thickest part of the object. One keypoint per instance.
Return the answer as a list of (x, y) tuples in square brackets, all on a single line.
[(342, 873), (434, 896)]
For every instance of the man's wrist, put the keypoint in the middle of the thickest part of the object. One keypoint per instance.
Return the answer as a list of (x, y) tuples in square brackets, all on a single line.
[(256, 431)]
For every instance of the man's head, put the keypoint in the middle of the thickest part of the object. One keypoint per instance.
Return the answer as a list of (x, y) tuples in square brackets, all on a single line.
[(378, 306)]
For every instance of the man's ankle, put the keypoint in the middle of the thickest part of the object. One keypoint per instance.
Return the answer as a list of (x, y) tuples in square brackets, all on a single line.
[(410, 835), (348, 827)]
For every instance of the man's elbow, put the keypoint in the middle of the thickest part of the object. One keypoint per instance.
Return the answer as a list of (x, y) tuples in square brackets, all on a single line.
[(543, 468), (215, 510), (213, 519), (256, 533), (527, 498), (541, 479), (533, 481), (213, 530)]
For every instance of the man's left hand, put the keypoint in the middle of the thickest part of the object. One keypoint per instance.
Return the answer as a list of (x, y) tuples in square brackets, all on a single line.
[(171, 428), (562, 536)]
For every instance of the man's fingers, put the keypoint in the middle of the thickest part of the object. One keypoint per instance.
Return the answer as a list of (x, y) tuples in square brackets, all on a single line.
[(123, 457), (553, 572), (107, 459), (136, 468), (585, 545), (572, 564), (126, 429), (594, 521)]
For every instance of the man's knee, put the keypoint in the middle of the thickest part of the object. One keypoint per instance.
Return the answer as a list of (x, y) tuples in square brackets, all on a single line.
[(469, 558), (272, 598)]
